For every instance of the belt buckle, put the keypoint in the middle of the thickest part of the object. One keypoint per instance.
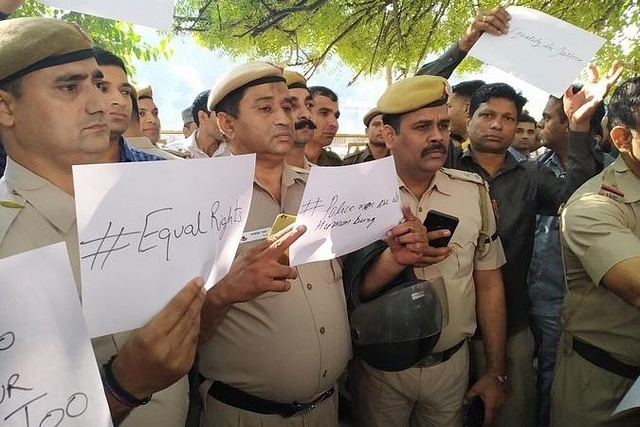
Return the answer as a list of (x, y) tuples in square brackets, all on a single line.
[(296, 408), (304, 408), (429, 360)]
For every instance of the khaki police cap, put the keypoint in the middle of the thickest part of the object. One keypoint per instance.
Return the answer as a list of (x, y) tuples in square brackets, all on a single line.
[(294, 79), (145, 92), (370, 115), (413, 93), (187, 116), (31, 44), (246, 75)]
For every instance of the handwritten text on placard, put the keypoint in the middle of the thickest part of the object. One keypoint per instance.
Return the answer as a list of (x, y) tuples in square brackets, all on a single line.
[(30, 405), (158, 231), (540, 49), (346, 208), (145, 229), (48, 372)]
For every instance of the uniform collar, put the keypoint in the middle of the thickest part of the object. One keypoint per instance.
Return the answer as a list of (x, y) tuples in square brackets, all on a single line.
[(440, 183), (54, 204)]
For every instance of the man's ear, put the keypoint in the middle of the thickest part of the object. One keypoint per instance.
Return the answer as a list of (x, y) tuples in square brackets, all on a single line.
[(466, 111), (621, 138), (7, 103), (225, 124), (388, 134), (202, 116)]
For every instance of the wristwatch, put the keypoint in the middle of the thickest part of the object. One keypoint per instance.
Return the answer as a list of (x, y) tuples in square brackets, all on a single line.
[(502, 379), (3, 16)]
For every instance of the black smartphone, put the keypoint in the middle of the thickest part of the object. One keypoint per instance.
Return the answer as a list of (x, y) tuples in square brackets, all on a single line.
[(473, 412), (436, 220)]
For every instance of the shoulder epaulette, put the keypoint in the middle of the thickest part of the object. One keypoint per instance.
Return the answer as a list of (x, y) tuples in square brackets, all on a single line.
[(465, 176), (11, 204), (611, 192)]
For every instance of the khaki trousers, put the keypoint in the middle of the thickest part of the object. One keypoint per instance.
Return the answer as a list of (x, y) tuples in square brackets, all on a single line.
[(167, 408), (585, 395), (416, 397), (520, 408)]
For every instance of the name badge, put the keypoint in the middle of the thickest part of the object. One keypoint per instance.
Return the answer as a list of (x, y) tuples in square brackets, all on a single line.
[(252, 236)]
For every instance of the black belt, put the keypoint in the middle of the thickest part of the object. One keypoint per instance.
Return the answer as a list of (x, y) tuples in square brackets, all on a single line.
[(239, 399), (604, 360), (442, 356)]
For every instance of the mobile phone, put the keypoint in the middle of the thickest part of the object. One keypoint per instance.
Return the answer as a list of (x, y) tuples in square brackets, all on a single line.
[(473, 412), (281, 222), (436, 220)]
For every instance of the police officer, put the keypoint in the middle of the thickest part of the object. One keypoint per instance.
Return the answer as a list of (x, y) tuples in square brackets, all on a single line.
[(273, 360), (53, 114), (301, 103), (376, 148), (431, 393), (599, 355)]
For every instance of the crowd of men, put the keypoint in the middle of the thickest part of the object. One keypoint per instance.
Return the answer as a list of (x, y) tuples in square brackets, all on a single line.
[(519, 285)]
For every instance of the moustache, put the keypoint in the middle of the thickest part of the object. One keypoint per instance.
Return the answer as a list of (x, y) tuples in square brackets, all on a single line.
[(434, 148), (305, 123)]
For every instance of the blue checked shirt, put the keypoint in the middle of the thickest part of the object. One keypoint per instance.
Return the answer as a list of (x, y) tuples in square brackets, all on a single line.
[(130, 154)]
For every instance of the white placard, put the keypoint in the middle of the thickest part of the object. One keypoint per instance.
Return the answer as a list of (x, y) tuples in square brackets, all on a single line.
[(631, 399), (152, 13), (540, 49), (145, 229), (346, 208), (48, 372)]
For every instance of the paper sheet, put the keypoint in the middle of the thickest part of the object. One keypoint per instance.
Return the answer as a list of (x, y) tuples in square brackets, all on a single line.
[(152, 13), (346, 208), (631, 399), (147, 228), (540, 49), (48, 372)]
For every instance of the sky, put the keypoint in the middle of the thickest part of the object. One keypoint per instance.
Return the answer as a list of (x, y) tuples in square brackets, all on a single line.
[(191, 69)]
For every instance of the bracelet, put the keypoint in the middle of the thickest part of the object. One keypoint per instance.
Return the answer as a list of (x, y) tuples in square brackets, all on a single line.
[(3, 16), (116, 390)]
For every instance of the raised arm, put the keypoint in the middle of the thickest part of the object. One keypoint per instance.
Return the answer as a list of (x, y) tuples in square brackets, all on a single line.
[(583, 162), (494, 21), (8, 6)]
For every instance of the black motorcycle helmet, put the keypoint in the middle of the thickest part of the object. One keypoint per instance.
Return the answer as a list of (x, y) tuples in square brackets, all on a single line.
[(399, 328)]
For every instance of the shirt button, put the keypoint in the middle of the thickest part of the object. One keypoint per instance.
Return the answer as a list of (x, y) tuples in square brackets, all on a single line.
[(322, 330), (419, 209), (309, 286)]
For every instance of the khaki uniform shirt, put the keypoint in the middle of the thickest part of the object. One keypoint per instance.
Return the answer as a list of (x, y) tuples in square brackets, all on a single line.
[(456, 193), (143, 143), (189, 146), (304, 170), (288, 346), (41, 214), (600, 229), (329, 158)]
